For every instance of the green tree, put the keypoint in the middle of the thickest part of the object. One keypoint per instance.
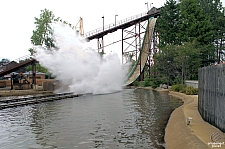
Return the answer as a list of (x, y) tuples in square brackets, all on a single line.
[(191, 36), (215, 10), (188, 58), (167, 24), (165, 66), (176, 63), (196, 26), (193, 24), (4, 61), (39, 68), (42, 35)]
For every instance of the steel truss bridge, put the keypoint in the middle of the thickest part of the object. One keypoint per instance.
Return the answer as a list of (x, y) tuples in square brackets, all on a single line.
[(138, 32)]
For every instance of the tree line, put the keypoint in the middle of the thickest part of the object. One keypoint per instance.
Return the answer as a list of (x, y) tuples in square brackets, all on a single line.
[(192, 35)]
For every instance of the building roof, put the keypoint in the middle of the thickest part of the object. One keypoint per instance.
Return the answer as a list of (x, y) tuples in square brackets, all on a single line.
[(30, 72)]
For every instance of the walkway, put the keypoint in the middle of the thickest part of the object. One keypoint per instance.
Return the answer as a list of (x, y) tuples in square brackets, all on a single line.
[(194, 136), (122, 24)]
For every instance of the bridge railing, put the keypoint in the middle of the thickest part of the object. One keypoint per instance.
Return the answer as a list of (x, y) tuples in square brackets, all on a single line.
[(21, 59), (112, 25)]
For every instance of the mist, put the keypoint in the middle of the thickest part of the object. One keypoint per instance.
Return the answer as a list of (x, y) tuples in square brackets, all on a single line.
[(78, 69)]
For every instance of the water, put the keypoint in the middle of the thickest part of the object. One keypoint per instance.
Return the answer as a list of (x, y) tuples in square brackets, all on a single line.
[(77, 68), (126, 119)]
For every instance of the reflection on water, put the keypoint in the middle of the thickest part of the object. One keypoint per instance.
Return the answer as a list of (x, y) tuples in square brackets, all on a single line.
[(127, 119)]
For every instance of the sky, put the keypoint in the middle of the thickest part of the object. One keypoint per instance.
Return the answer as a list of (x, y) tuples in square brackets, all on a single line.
[(17, 18)]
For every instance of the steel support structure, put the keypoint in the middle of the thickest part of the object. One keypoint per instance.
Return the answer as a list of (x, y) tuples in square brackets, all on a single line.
[(100, 45), (34, 73), (132, 39), (131, 42)]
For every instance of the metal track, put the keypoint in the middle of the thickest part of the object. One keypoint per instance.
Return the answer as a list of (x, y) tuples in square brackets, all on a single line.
[(7, 103)]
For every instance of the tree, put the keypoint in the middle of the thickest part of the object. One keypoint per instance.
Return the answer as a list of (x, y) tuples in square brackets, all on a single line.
[(192, 35), (193, 24), (177, 63), (167, 24), (188, 60), (196, 26), (42, 35), (4, 61), (164, 64), (215, 10)]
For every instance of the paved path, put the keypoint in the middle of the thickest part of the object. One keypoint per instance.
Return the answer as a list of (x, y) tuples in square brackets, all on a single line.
[(194, 136)]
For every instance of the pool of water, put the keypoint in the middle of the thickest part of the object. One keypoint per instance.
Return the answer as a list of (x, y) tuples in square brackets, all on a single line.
[(133, 118)]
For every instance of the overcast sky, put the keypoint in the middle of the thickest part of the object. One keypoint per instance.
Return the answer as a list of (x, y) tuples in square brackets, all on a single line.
[(17, 18)]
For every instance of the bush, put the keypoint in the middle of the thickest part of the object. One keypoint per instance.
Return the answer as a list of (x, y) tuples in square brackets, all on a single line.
[(175, 87), (146, 82), (191, 90), (188, 90), (154, 85), (178, 88), (136, 83)]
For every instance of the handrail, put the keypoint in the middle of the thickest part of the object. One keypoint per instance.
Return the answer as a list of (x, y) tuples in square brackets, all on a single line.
[(26, 57), (112, 25), (18, 60)]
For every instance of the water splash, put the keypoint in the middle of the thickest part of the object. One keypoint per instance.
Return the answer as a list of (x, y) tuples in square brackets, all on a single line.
[(79, 69)]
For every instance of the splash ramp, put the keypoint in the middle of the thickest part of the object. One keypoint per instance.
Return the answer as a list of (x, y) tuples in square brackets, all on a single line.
[(144, 53)]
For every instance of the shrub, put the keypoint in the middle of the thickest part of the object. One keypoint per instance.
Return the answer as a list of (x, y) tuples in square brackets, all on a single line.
[(175, 87), (136, 83), (146, 82), (178, 88), (191, 90)]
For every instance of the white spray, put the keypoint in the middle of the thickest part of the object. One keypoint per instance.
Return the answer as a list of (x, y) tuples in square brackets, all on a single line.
[(77, 69)]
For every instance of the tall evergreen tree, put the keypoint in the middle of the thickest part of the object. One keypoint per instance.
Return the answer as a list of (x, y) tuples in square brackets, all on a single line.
[(194, 25), (167, 23), (215, 10)]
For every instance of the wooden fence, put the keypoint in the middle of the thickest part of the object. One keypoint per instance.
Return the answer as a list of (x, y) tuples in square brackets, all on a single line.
[(211, 95)]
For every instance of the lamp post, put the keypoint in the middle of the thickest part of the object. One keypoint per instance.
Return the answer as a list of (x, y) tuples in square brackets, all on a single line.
[(103, 23), (147, 5), (102, 38), (151, 5), (115, 19), (168, 77)]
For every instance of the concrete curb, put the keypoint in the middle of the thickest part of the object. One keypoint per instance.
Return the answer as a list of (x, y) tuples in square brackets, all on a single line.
[(194, 136), (5, 93)]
